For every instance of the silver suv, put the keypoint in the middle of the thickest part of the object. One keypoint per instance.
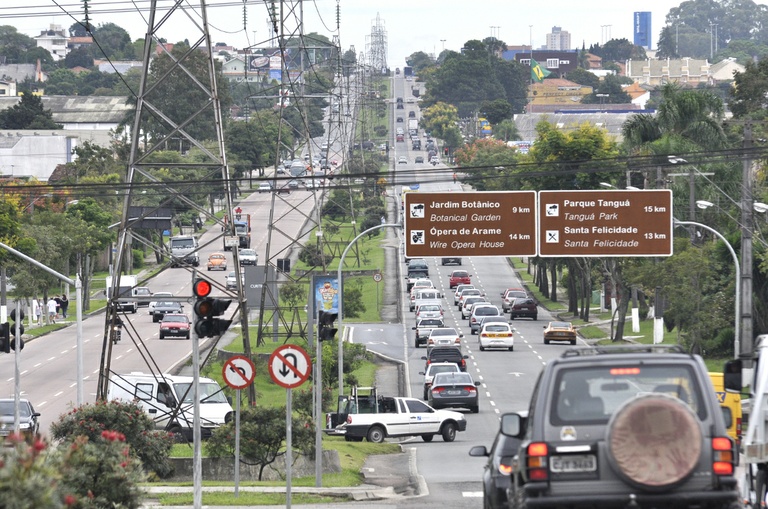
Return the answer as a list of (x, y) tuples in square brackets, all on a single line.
[(632, 426)]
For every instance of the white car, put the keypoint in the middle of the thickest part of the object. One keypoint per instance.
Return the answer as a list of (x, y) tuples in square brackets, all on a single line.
[(443, 336), (469, 302), (247, 257), (429, 311), (457, 293), (265, 187), (159, 296), (468, 292), (435, 368), (496, 335)]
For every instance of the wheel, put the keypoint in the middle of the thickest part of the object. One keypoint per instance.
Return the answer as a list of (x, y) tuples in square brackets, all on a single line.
[(535, 317), (209, 269), (134, 311), (573, 342), (187, 337), (154, 318), (511, 348), (376, 434), (482, 348), (474, 409), (416, 343), (546, 341), (162, 336), (448, 431), (427, 438), (511, 317), (426, 395)]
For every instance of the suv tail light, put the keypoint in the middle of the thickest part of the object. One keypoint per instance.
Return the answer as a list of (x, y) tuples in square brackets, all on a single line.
[(438, 390), (722, 457), (536, 466), (464, 364), (349, 419), (505, 465), (738, 430)]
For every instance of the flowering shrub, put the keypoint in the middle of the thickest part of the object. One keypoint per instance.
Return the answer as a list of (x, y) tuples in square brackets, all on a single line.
[(81, 474), (150, 446)]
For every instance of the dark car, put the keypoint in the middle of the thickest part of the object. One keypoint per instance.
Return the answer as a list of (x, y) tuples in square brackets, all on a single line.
[(621, 427), (166, 308), (451, 390), (419, 159), (497, 470), (174, 325), (523, 308), (450, 260), (447, 354), (28, 424)]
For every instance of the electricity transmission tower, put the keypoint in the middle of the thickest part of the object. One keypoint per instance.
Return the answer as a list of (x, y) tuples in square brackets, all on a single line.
[(376, 46)]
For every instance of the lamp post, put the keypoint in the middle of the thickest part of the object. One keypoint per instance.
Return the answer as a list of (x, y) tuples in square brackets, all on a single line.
[(737, 320), (341, 297)]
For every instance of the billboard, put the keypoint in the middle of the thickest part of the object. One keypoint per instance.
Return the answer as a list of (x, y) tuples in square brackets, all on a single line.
[(325, 292)]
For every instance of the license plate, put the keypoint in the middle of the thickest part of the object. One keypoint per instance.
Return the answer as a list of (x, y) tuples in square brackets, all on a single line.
[(453, 393), (573, 463)]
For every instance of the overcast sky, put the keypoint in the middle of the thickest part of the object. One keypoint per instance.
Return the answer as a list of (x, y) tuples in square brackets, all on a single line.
[(410, 25)]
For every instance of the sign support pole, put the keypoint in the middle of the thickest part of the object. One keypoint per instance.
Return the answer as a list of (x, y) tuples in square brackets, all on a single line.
[(237, 444), (319, 417), (288, 445)]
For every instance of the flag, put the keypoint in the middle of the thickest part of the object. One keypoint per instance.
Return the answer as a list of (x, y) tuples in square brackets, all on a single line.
[(538, 73)]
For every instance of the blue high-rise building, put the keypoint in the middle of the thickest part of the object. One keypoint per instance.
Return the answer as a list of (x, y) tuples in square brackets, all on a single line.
[(642, 24)]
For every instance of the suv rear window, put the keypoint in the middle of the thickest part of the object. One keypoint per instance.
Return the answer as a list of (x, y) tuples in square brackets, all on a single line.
[(592, 395)]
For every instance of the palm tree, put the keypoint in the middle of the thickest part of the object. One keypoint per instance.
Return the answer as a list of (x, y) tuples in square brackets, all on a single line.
[(687, 121)]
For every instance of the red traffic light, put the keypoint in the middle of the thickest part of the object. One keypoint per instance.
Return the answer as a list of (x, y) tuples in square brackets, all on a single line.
[(202, 288)]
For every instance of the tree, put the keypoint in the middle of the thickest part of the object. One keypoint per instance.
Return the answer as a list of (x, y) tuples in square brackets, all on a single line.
[(481, 161), (584, 77), (28, 114), (419, 61), (114, 42), (496, 111), (609, 91), (262, 434), (438, 118), (14, 45), (506, 130), (79, 57), (253, 142), (687, 121), (748, 95), (180, 98)]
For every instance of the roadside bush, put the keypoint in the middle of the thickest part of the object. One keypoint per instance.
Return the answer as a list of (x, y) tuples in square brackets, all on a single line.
[(150, 446), (313, 256), (262, 437)]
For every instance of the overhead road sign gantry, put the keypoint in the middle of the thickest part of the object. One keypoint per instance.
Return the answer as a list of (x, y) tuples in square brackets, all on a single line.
[(605, 223), (483, 223)]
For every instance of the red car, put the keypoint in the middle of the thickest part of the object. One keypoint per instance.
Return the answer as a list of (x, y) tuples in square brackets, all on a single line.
[(459, 277), (174, 325)]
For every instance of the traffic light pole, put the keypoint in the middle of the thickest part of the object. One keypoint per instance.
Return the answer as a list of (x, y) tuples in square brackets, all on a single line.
[(77, 282), (341, 298)]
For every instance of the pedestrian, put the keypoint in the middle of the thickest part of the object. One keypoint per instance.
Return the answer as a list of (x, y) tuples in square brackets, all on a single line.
[(51, 310), (37, 310), (454, 178), (58, 305), (64, 305)]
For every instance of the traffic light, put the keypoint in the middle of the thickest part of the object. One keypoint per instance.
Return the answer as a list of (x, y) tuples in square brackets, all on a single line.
[(207, 309), (326, 330), (5, 338), (12, 329)]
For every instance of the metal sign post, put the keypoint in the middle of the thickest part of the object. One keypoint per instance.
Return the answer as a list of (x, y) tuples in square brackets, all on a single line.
[(238, 373), (289, 367)]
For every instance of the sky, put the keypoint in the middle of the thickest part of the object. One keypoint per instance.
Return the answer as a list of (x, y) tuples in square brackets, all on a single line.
[(410, 25)]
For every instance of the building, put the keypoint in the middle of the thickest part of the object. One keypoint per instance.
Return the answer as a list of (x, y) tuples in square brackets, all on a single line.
[(555, 93), (642, 32), (55, 41), (558, 40), (685, 71)]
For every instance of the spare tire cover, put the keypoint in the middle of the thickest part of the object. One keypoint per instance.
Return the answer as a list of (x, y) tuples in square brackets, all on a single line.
[(654, 440)]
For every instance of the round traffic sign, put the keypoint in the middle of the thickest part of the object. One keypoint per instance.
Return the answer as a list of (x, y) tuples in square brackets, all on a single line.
[(377, 277), (238, 372), (289, 366)]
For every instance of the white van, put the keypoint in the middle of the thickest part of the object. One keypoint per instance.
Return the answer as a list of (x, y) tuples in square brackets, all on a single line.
[(183, 250), (160, 395)]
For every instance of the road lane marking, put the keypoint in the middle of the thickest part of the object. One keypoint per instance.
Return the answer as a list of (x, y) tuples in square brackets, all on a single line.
[(58, 394), (472, 494), (37, 365)]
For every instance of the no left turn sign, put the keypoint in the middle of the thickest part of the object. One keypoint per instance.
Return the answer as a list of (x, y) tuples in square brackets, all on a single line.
[(238, 372)]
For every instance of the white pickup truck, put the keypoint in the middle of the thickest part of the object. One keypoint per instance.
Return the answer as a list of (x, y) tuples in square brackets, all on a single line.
[(402, 417)]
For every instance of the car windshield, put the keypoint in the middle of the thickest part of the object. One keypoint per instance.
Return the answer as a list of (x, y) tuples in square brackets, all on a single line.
[(247, 252), (460, 273), (466, 293), (449, 368), (175, 319), (486, 310), (560, 325), (217, 257), (166, 304), (444, 332), (209, 393), (594, 394), (7, 408), (452, 378), (429, 307), (496, 328), (430, 323)]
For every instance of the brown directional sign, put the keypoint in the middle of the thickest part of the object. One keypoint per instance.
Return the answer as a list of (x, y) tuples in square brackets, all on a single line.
[(605, 223), (494, 223)]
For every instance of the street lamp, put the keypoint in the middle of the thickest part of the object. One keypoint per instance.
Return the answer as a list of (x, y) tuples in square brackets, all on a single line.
[(737, 320)]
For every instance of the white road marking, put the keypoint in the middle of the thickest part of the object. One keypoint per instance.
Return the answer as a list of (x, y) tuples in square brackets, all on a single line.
[(37, 365), (58, 394), (472, 494), (493, 403), (51, 358), (41, 404)]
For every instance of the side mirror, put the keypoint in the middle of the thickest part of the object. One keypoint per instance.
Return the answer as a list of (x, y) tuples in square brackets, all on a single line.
[(511, 425), (478, 450), (478, 384), (461, 334), (413, 328), (423, 358), (466, 357), (422, 373), (732, 376)]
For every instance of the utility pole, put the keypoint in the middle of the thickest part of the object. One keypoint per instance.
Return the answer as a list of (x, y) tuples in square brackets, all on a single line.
[(746, 250)]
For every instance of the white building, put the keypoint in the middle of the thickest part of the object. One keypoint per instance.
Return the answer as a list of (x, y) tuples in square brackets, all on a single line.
[(559, 39), (55, 41)]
